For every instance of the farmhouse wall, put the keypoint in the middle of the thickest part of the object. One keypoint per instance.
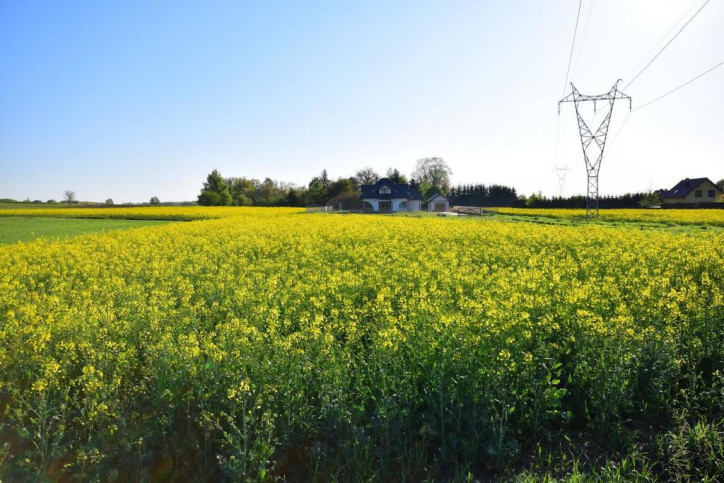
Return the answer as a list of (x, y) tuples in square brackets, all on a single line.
[(705, 187)]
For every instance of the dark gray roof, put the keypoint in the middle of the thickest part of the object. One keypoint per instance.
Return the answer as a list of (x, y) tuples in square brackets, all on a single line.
[(397, 190), (684, 187), (436, 194)]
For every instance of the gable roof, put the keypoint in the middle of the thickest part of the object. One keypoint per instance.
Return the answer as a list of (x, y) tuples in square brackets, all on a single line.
[(684, 187), (397, 190), (436, 194)]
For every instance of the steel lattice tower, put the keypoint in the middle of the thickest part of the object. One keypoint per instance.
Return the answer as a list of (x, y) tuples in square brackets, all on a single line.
[(561, 175), (599, 138)]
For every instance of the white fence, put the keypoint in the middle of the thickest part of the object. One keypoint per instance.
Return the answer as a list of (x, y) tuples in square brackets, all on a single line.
[(321, 209), (473, 210)]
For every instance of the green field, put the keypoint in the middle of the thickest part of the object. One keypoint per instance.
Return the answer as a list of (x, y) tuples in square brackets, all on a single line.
[(8, 205), (26, 229)]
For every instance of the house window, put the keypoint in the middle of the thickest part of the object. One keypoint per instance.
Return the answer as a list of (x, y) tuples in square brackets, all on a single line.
[(385, 190), (711, 193), (697, 193)]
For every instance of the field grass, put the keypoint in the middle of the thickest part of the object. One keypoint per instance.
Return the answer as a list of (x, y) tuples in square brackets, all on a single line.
[(180, 213), (578, 219), (269, 344), (6, 205), (683, 228), (24, 229), (713, 217)]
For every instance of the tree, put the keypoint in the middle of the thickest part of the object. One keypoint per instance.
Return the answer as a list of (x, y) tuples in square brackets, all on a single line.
[(345, 192), (243, 190), (316, 194), (343, 186), (215, 191), (720, 184), (155, 200), (268, 193), (415, 185), (366, 176), (242, 200), (535, 200), (294, 197), (69, 197), (649, 199), (325, 179), (432, 173), (109, 201), (395, 176), (210, 198), (501, 195)]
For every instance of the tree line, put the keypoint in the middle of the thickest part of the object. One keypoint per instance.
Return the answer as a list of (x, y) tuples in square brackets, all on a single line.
[(430, 174), (482, 195), (242, 191), (628, 200)]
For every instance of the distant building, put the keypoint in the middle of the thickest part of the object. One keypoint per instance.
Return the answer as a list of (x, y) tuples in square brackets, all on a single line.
[(438, 202), (691, 191), (387, 197)]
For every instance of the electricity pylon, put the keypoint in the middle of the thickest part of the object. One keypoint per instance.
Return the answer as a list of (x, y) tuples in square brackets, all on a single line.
[(593, 168), (561, 174)]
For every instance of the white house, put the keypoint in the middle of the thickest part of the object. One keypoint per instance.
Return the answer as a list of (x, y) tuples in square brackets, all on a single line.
[(438, 202), (387, 197)]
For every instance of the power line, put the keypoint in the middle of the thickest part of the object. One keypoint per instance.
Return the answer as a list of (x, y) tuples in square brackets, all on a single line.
[(667, 44), (666, 35), (615, 136), (565, 84), (583, 37), (558, 137), (573, 44), (561, 137), (682, 85)]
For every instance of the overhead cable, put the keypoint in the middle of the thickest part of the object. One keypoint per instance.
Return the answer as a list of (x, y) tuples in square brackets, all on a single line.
[(682, 85), (615, 136), (666, 36), (583, 37), (573, 44), (667, 44)]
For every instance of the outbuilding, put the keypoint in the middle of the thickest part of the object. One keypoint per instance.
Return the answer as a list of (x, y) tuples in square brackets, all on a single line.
[(438, 202)]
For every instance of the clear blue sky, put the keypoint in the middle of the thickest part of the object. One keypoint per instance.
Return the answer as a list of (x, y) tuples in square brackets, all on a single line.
[(128, 100)]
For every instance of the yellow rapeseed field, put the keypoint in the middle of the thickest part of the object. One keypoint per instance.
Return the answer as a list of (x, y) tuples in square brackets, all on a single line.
[(271, 344)]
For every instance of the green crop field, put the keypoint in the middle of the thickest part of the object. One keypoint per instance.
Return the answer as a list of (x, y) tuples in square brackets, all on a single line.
[(13, 205), (14, 229)]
